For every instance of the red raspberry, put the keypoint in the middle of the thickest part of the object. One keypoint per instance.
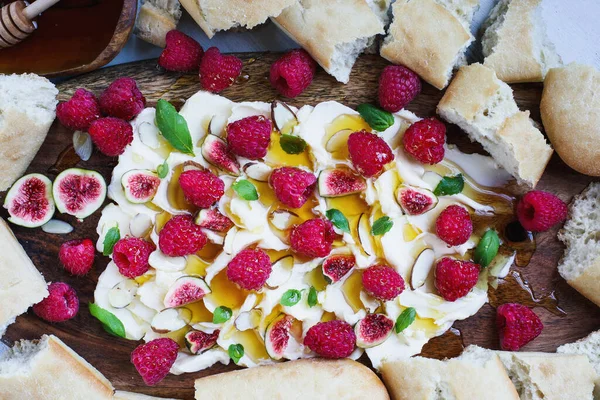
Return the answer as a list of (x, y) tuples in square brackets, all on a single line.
[(313, 238), (201, 188), (293, 72), (368, 152), (454, 225), (61, 304), (539, 211), (153, 360), (181, 54), (77, 256), (181, 236), (382, 282), (455, 278), (111, 135), (131, 256), (292, 186), (424, 140), (250, 137), (218, 72), (517, 326), (80, 111), (331, 339), (250, 269), (398, 86), (122, 99)]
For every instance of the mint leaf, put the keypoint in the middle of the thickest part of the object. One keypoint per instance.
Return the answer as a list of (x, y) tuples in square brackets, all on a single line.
[(377, 118), (235, 351), (338, 219), (292, 144), (246, 190), (112, 237), (290, 298), (173, 127), (110, 322), (450, 185), (162, 170), (381, 226), (405, 319), (487, 248), (312, 297), (221, 314)]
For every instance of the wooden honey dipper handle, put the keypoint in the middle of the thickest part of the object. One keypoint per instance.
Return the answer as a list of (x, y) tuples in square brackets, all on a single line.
[(16, 20)]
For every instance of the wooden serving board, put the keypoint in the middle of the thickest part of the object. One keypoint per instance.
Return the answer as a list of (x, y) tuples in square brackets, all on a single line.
[(111, 355)]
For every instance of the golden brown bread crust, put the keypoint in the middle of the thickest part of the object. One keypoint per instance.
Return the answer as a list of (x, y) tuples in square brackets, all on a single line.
[(427, 38), (302, 379), (588, 283), (570, 110), (513, 56)]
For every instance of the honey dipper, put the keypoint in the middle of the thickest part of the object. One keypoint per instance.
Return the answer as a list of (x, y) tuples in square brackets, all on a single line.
[(16, 20)]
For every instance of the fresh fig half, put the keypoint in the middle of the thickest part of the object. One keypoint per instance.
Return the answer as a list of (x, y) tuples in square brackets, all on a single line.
[(372, 330), (340, 182), (277, 336), (170, 320), (414, 200), (258, 171), (29, 201), (198, 342), (335, 267), (283, 117), (79, 192), (213, 220), (140, 185), (216, 152), (187, 289), (122, 294)]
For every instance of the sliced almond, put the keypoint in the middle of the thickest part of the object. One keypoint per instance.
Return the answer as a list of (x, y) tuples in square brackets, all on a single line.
[(338, 140), (258, 171), (122, 294), (140, 225), (283, 117), (82, 143), (149, 135), (364, 235), (57, 227), (281, 271), (422, 268), (217, 125), (168, 320), (248, 320), (283, 219)]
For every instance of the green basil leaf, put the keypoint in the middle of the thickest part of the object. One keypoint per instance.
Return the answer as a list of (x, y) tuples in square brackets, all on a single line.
[(173, 127), (487, 248), (450, 185), (110, 322), (112, 237), (246, 190), (292, 144), (377, 118), (381, 226), (162, 170), (312, 297), (235, 351), (405, 319), (290, 298), (221, 314), (338, 219)]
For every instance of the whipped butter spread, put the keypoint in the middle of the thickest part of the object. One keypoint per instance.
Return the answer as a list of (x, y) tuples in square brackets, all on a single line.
[(265, 223)]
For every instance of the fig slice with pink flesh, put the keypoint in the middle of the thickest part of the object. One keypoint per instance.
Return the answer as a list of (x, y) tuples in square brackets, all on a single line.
[(216, 152), (373, 330), (213, 220), (336, 266), (79, 192), (140, 185), (414, 200), (29, 201), (340, 182), (198, 342), (277, 336), (186, 289)]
